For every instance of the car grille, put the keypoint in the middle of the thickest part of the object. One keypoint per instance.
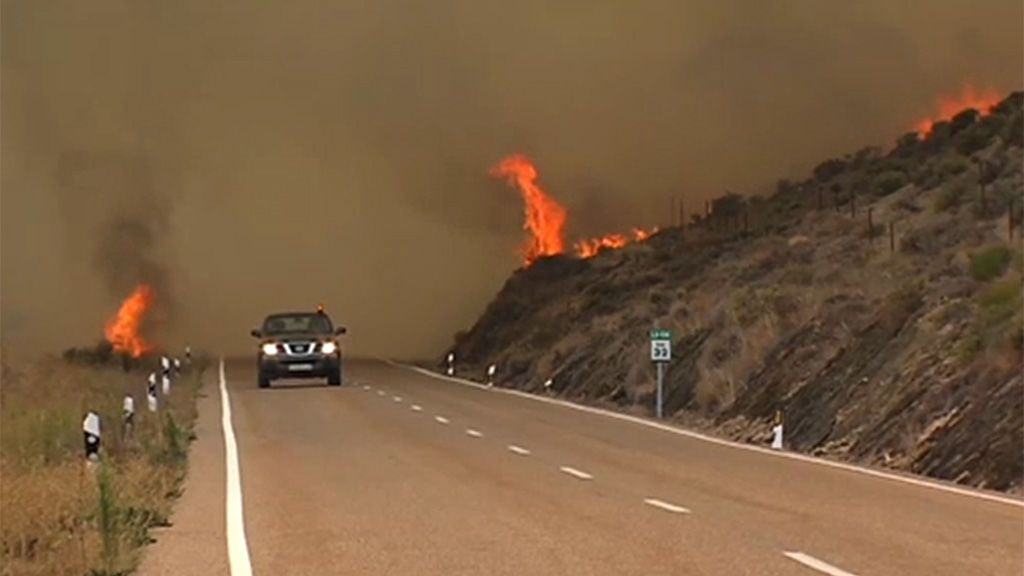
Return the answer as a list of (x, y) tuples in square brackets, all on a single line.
[(299, 348)]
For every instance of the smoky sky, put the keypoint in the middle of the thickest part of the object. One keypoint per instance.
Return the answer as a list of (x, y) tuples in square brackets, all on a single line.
[(254, 157)]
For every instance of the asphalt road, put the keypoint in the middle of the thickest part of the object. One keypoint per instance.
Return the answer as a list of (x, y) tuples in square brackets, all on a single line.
[(402, 473)]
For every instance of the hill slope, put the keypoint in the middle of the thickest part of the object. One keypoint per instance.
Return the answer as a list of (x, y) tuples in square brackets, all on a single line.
[(905, 355)]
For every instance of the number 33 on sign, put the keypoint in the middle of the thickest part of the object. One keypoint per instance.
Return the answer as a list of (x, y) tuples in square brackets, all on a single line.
[(661, 346)]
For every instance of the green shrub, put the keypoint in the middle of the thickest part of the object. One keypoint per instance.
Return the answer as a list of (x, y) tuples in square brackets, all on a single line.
[(990, 263), (175, 442), (889, 182), (1013, 132), (999, 302), (955, 166), (973, 140), (107, 518), (829, 169), (950, 196)]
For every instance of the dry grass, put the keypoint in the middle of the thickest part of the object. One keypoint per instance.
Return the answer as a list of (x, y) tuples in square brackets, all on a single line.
[(62, 515)]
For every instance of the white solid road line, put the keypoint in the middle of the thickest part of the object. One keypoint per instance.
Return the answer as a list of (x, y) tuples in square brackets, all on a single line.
[(474, 433), (518, 450), (579, 474), (238, 548), (923, 483), (441, 419), (819, 565), (398, 398), (416, 408), (666, 506)]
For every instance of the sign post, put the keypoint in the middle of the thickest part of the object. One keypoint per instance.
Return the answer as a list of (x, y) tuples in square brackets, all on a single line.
[(661, 355)]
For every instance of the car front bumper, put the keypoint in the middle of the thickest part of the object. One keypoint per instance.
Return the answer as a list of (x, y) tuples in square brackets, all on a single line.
[(314, 366)]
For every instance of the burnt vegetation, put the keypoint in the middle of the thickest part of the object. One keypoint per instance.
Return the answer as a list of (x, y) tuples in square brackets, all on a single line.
[(894, 341)]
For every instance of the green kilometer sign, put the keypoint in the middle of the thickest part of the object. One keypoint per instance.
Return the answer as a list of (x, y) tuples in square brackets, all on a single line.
[(661, 355), (661, 346)]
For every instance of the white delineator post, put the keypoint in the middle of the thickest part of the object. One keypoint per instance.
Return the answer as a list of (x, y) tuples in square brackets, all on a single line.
[(91, 432), (165, 363), (451, 363), (129, 414), (151, 400), (490, 374), (177, 366), (777, 431)]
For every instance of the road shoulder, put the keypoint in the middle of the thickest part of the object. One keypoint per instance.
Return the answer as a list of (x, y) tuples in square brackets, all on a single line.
[(195, 541)]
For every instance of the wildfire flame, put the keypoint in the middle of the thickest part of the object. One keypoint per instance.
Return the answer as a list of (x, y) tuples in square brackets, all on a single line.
[(948, 107), (589, 247), (545, 217), (123, 331)]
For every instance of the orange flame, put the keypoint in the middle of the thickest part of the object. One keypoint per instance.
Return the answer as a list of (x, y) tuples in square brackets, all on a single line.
[(948, 107), (123, 330), (545, 217), (589, 247)]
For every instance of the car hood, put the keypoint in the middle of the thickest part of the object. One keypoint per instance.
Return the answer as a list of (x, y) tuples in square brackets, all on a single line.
[(296, 336)]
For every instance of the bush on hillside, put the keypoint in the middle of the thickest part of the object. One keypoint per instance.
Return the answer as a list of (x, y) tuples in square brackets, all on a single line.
[(889, 182), (1013, 132), (955, 166), (829, 169), (973, 141), (990, 263), (950, 196), (963, 120), (907, 145)]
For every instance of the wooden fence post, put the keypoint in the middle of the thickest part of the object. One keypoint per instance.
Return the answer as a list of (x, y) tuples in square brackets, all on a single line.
[(1009, 218), (871, 227)]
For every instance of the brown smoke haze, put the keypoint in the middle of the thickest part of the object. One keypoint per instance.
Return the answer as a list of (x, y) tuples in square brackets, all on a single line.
[(247, 157)]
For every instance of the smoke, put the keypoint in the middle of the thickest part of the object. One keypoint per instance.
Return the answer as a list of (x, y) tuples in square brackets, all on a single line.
[(265, 156), (117, 218)]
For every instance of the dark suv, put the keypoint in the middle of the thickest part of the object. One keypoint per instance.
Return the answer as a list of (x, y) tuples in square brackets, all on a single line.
[(299, 345)]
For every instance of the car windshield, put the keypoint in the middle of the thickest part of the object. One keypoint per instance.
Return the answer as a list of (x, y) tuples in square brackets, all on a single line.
[(285, 323)]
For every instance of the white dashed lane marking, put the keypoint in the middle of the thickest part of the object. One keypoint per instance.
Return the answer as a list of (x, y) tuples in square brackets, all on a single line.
[(578, 474), (416, 408), (398, 398), (518, 450), (474, 433), (666, 506), (381, 393), (366, 387), (819, 565), (441, 419)]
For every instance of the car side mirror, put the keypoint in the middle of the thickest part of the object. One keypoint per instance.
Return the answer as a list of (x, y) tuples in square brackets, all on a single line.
[(340, 330), (256, 333)]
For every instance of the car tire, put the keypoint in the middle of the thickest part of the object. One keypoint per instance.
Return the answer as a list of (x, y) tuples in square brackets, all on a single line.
[(334, 378), (263, 381)]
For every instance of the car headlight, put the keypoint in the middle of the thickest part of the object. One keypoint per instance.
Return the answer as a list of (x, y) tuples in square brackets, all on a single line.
[(328, 347), (270, 349)]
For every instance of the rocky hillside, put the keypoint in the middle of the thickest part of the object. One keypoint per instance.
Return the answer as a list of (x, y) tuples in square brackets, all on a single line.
[(877, 304)]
